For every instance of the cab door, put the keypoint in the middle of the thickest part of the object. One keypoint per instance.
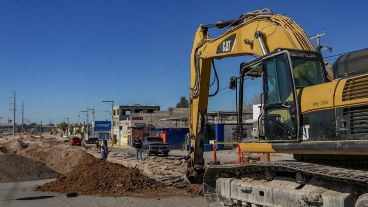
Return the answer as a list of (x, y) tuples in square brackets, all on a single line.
[(281, 120)]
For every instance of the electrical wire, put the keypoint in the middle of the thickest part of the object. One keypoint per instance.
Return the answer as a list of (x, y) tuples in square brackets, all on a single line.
[(173, 67), (216, 78)]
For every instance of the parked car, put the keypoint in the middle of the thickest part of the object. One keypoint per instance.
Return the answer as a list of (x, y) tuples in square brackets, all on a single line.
[(155, 145), (75, 141), (92, 140)]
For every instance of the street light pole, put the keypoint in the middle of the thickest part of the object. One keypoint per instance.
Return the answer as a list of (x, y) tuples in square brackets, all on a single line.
[(112, 118), (86, 111), (93, 117)]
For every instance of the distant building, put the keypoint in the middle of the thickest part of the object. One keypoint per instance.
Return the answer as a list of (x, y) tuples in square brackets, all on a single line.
[(102, 129), (131, 121)]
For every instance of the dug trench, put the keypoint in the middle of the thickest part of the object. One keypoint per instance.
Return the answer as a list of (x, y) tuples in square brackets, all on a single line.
[(81, 173)]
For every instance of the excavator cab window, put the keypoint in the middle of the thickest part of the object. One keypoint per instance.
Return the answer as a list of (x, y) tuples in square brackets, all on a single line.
[(279, 108), (278, 119), (307, 72)]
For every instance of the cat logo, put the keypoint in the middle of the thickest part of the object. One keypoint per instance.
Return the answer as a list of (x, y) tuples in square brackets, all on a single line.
[(306, 132), (226, 45)]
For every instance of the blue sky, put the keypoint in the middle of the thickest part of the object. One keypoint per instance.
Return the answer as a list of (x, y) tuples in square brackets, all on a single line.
[(63, 56)]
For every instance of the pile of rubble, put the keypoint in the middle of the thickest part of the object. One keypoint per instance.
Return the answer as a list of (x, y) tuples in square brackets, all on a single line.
[(14, 168), (96, 177), (82, 173)]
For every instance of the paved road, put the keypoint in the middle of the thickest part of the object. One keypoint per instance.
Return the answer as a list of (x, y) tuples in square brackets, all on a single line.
[(22, 194)]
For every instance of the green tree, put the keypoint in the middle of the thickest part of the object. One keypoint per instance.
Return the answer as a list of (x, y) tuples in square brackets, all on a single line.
[(183, 103), (63, 127), (81, 131)]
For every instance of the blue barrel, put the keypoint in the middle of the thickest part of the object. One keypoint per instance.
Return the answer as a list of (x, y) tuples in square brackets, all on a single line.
[(220, 136)]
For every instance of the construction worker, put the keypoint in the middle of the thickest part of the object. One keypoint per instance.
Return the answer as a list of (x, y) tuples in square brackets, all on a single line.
[(104, 150), (138, 144)]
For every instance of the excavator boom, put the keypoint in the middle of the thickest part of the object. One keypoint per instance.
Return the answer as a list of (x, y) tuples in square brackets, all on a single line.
[(255, 33)]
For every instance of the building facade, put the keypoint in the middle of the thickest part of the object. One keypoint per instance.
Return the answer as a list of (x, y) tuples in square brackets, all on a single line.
[(130, 121)]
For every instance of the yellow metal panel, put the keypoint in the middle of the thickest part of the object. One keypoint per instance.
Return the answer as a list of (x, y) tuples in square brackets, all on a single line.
[(339, 91), (256, 147), (280, 32), (269, 148), (318, 97)]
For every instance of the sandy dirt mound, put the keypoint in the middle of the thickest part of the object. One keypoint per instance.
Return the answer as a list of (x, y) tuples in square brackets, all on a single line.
[(14, 146), (60, 160), (97, 177), (83, 173), (14, 168)]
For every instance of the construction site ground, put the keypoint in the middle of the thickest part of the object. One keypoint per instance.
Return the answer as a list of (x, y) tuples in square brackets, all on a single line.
[(22, 194), (45, 170)]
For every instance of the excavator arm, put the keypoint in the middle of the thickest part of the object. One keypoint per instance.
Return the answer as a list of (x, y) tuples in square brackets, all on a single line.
[(255, 33)]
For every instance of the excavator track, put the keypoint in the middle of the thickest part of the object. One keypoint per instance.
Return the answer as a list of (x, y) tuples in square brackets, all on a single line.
[(339, 175)]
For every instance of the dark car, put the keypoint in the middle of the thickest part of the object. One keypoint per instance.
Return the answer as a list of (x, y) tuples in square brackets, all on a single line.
[(92, 140), (155, 145), (75, 141)]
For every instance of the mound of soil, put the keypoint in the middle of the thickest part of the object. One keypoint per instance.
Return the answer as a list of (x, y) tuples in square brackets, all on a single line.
[(14, 168), (97, 177), (13, 146), (59, 159)]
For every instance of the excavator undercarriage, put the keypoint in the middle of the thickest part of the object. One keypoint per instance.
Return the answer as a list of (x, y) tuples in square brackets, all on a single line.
[(285, 183)]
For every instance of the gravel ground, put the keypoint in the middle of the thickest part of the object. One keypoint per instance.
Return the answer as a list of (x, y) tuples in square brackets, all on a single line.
[(15, 168), (22, 194)]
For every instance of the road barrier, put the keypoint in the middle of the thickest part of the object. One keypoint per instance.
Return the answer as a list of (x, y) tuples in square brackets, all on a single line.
[(243, 157)]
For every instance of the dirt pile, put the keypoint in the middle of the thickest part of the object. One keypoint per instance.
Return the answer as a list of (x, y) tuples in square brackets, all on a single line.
[(96, 177), (83, 173), (14, 168), (13, 146), (59, 159), (194, 189)]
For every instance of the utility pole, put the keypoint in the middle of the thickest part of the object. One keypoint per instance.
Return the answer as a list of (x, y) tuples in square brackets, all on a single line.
[(93, 113), (87, 114), (93, 117), (319, 47), (22, 116), (112, 118), (13, 102), (68, 123)]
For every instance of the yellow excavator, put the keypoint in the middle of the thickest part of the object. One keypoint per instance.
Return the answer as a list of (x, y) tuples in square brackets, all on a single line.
[(321, 120)]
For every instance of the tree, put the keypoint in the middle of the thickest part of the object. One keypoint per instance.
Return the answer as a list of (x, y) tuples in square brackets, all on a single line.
[(63, 127), (183, 103)]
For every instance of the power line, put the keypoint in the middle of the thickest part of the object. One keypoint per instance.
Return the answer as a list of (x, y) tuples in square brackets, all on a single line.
[(171, 68)]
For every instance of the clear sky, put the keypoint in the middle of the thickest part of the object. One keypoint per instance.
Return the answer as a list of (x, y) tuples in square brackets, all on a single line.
[(63, 56)]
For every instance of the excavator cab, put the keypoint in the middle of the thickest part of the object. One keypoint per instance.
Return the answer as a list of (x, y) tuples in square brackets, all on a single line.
[(284, 74)]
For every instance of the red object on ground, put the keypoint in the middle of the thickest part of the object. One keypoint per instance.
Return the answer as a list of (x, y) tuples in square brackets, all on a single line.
[(214, 152), (75, 141)]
